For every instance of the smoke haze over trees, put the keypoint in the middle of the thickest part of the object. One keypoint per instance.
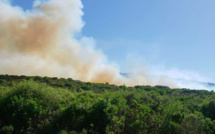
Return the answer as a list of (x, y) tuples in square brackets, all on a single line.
[(46, 41)]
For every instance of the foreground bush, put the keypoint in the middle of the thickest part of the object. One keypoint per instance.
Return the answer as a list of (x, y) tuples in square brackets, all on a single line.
[(30, 106)]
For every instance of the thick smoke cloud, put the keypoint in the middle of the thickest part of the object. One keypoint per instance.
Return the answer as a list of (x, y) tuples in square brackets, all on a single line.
[(43, 42)]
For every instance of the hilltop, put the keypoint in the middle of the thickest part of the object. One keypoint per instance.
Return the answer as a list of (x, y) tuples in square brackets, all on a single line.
[(34, 104)]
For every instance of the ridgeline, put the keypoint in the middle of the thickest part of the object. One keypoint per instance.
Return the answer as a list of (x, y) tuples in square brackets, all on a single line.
[(45, 105)]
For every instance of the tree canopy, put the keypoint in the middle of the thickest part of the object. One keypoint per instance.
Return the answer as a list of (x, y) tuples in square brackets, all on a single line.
[(66, 106)]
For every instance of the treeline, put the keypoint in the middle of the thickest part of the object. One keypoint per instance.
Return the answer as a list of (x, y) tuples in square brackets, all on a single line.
[(65, 106)]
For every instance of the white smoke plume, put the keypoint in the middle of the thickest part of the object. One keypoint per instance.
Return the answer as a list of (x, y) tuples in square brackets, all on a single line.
[(42, 42)]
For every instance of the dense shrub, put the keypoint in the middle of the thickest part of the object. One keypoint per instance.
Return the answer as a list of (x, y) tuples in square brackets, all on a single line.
[(66, 106)]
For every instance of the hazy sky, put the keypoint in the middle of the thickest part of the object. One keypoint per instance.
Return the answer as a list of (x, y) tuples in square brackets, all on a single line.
[(170, 33)]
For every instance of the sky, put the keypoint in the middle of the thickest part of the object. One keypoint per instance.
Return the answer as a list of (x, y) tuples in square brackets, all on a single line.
[(169, 34)]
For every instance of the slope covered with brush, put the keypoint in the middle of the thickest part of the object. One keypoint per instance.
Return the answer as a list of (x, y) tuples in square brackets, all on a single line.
[(53, 105)]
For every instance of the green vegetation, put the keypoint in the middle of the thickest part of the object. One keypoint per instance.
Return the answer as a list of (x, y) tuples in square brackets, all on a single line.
[(65, 106)]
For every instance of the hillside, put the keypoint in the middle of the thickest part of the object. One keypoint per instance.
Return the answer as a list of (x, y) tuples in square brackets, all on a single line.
[(57, 105)]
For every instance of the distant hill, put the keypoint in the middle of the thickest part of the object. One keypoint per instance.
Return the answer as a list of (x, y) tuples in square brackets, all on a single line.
[(209, 84), (184, 82)]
